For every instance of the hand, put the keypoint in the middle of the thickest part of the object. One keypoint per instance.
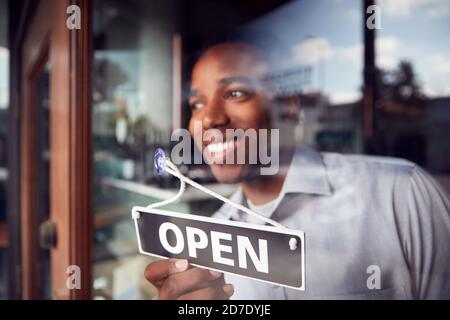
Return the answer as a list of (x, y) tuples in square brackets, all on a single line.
[(175, 280)]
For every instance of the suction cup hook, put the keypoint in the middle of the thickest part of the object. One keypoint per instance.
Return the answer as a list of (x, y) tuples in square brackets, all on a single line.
[(293, 244), (159, 161)]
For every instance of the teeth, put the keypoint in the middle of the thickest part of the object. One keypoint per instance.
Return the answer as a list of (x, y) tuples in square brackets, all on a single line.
[(219, 147)]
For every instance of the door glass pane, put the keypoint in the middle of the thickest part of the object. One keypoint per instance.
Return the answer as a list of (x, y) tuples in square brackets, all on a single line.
[(4, 107), (132, 95), (142, 54)]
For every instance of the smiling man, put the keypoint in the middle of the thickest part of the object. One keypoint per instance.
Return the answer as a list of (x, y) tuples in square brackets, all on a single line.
[(375, 227)]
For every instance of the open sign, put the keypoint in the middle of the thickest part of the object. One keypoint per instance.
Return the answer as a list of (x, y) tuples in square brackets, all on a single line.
[(264, 253)]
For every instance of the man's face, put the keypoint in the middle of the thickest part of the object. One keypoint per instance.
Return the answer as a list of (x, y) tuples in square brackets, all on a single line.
[(227, 93)]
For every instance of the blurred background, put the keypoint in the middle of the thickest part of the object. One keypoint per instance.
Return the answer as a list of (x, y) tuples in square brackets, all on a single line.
[(371, 91)]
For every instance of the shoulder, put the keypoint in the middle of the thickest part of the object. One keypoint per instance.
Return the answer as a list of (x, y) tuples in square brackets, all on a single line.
[(370, 166), (401, 183)]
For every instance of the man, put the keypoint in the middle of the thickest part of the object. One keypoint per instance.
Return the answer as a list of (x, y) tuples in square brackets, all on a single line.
[(376, 228)]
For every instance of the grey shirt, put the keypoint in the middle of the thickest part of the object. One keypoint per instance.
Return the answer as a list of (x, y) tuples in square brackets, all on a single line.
[(363, 217)]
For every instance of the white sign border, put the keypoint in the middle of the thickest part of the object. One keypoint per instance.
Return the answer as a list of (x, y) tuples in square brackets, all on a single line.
[(137, 210)]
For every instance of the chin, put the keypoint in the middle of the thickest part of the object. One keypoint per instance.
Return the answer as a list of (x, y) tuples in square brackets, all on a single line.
[(228, 173), (234, 173)]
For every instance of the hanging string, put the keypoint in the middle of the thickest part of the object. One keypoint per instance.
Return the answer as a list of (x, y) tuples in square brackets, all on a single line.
[(172, 169), (177, 196)]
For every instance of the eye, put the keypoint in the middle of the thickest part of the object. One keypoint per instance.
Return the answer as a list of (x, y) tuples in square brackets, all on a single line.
[(196, 105), (236, 94)]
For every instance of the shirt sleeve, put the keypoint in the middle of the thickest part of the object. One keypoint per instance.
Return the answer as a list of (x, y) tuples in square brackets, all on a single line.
[(425, 223)]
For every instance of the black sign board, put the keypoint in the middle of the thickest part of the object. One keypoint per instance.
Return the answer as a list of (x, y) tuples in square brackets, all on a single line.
[(265, 253)]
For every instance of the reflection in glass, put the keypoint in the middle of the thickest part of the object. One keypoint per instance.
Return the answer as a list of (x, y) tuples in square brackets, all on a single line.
[(414, 84), (136, 104), (131, 117), (315, 49)]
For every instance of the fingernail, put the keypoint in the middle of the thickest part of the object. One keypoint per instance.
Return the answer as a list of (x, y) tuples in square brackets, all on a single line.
[(181, 264), (228, 289), (215, 274)]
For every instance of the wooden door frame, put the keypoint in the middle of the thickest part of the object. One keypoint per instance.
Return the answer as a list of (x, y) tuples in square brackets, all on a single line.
[(70, 123), (81, 217)]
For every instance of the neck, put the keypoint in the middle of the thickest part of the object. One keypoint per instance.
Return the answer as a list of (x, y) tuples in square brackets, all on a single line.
[(264, 189)]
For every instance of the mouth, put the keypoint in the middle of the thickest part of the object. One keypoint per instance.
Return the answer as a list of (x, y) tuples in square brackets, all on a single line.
[(218, 152)]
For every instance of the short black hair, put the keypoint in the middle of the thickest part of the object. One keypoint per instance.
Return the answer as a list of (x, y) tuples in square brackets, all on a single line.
[(273, 49)]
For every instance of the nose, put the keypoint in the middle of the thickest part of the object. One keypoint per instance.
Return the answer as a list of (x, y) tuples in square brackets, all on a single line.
[(215, 115)]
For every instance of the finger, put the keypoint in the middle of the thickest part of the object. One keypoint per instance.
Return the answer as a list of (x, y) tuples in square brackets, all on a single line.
[(196, 278), (156, 272), (210, 293)]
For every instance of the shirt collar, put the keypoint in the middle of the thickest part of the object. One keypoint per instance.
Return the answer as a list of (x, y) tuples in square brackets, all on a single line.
[(226, 211), (307, 173)]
